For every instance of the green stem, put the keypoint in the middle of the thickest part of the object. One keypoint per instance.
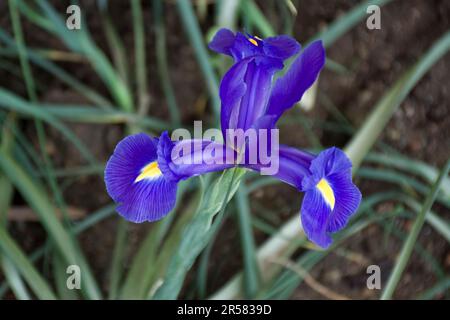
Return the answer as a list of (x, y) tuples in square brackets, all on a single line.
[(251, 267)]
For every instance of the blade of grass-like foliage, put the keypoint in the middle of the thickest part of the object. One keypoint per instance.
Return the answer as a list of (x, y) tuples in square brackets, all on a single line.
[(11, 274), (439, 224), (420, 168), (402, 180), (117, 260), (161, 62), (361, 143), (139, 57), (115, 44), (14, 279), (38, 200), (12, 102), (143, 267), (77, 171), (39, 286), (257, 18), (333, 32), (198, 231), (408, 246), (440, 287), (89, 221), (336, 67), (346, 22), (357, 149), (425, 255), (7, 143), (251, 267), (193, 30), (284, 286), (59, 274), (202, 270), (307, 261), (82, 42), (31, 90), (226, 13), (24, 152), (89, 114), (18, 35), (34, 16), (53, 69)]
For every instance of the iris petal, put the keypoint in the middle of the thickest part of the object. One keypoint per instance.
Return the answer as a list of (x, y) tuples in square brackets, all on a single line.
[(331, 198), (281, 47), (314, 215), (192, 157), (222, 42), (293, 165), (240, 46), (290, 88), (232, 89), (347, 197), (148, 198), (258, 80)]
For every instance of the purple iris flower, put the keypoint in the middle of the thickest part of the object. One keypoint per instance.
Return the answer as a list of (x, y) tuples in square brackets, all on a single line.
[(142, 174), (251, 99)]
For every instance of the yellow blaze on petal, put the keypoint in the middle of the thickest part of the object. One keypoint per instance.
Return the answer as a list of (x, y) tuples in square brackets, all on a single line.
[(327, 193), (253, 41), (150, 171)]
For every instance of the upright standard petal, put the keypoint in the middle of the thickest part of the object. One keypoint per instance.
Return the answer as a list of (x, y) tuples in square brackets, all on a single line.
[(135, 181), (245, 91), (281, 47), (222, 42), (240, 46), (290, 88), (330, 196), (237, 46)]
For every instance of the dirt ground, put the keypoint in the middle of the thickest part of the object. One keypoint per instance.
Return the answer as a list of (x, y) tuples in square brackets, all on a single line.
[(420, 129)]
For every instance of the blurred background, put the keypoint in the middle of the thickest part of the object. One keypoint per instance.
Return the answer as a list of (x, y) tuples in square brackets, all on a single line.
[(68, 96)]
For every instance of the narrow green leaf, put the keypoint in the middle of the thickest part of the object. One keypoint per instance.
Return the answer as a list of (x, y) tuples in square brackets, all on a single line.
[(198, 232), (82, 42), (37, 199), (14, 279), (256, 17), (363, 141), (117, 263), (408, 246), (139, 52), (251, 267), (53, 69), (39, 286), (161, 63), (190, 23), (346, 22), (10, 101)]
